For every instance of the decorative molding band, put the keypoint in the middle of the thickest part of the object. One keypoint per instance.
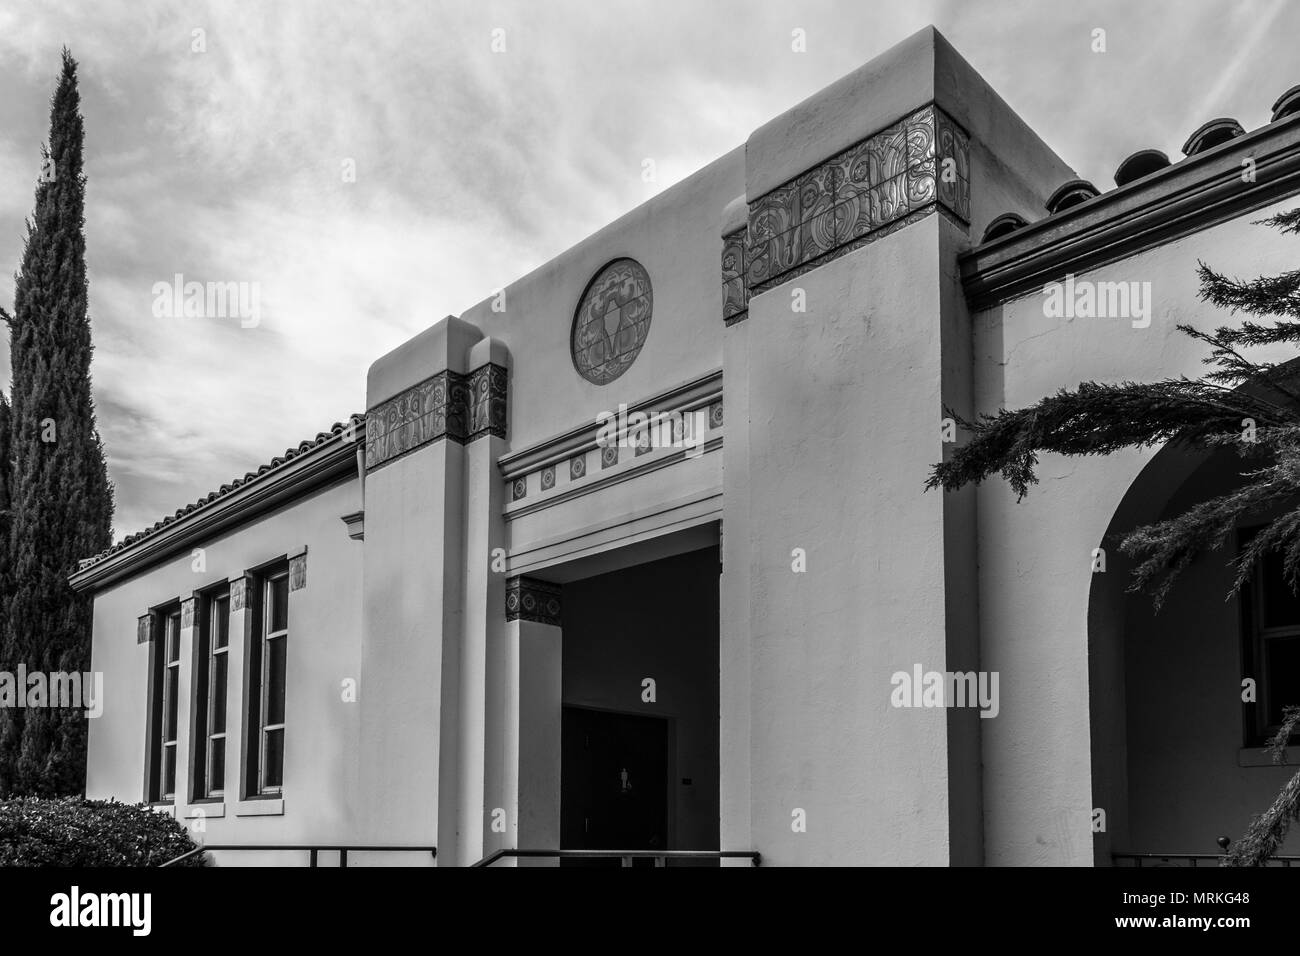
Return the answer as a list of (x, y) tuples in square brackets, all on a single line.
[(599, 482), (187, 613), (241, 592), (144, 629), (582, 438), (298, 571), (1201, 191), (528, 599), (892, 178), (445, 405)]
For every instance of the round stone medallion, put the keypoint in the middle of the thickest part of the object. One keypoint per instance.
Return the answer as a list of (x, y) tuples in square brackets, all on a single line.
[(612, 321)]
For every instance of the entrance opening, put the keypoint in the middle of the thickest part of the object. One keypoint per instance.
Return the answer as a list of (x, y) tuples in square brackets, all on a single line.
[(639, 747), (616, 772)]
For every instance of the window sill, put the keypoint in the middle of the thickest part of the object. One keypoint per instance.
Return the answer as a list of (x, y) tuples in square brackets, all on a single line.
[(260, 808), (166, 809), (207, 811), (1259, 757)]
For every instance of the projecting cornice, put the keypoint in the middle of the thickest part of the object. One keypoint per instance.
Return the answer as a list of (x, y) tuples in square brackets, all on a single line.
[(1201, 191), (330, 460)]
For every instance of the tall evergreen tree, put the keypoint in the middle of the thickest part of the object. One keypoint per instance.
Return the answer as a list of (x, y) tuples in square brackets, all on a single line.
[(1208, 414), (8, 747), (58, 484)]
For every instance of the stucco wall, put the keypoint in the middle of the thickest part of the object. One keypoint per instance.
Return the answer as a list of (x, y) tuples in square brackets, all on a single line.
[(1036, 556), (675, 237), (843, 407), (321, 754)]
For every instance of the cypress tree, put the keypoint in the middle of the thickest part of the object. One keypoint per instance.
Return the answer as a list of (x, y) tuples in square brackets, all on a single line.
[(61, 499), (9, 742)]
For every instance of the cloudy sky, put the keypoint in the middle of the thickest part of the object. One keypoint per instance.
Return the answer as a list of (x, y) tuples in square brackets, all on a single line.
[(474, 167)]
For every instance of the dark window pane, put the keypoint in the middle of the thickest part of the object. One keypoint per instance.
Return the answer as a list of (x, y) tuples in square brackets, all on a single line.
[(169, 719), (218, 781), (275, 681), (279, 598), (1281, 607), (274, 772), (221, 621), (219, 693), (1283, 662), (173, 638), (169, 771)]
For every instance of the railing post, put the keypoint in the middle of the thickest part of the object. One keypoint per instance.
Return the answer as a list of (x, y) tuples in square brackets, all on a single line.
[(343, 859), (312, 862), (627, 861), (661, 861)]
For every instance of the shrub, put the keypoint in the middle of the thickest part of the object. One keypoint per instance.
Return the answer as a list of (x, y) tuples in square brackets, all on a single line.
[(72, 831)]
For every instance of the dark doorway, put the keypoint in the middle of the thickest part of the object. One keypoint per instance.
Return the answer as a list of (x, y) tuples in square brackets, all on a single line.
[(615, 783)]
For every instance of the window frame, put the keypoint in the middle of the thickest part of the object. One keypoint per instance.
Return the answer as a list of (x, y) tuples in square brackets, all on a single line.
[(257, 689), (164, 701), (1255, 635), (212, 605)]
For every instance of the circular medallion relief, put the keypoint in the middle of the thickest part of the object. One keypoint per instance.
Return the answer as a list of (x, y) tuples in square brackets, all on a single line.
[(612, 321)]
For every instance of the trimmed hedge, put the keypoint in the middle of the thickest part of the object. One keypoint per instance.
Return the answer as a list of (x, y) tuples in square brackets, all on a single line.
[(73, 831)]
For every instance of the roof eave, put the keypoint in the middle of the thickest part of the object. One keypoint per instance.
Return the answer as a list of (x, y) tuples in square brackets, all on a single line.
[(328, 462), (1191, 195)]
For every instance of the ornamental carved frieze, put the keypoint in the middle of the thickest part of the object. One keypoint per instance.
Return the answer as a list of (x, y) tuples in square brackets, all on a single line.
[(447, 405), (886, 181), (528, 599)]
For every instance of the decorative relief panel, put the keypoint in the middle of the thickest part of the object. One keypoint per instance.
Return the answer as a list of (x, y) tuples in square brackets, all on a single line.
[(144, 629), (487, 401), (298, 572), (860, 195), (187, 613), (239, 594), (548, 478), (577, 467), (528, 599), (447, 405), (612, 321), (735, 295)]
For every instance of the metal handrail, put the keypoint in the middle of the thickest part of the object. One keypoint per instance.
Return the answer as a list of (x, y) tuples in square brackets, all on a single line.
[(661, 857), (313, 849)]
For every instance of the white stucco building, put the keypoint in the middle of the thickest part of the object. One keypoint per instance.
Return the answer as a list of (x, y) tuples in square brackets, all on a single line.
[(470, 620)]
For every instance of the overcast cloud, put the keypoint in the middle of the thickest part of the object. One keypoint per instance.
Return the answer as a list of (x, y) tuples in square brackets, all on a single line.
[(474, 167)]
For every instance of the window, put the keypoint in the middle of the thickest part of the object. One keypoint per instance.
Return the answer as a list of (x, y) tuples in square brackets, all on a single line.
[(165, 661), (1271, 648), (211, 670), (264, 744)]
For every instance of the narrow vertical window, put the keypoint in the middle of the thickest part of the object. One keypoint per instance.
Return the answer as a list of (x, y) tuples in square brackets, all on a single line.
[(211, 649), (267, 658), (218, 668), (168, 687)]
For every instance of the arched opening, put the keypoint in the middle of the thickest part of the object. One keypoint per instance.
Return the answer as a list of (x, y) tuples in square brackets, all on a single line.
[(1177, 758)]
